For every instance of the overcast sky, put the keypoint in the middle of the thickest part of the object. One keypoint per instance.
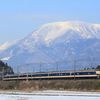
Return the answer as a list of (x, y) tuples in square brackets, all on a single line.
[(20, 17)]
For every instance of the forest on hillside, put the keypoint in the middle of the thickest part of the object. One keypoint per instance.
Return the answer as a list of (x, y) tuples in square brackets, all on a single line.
[(5, 68)]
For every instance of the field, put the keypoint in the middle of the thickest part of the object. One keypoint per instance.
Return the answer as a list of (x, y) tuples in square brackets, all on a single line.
[(33, 85)]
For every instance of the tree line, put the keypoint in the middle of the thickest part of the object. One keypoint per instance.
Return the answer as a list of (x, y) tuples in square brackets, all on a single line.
[(5, 68)]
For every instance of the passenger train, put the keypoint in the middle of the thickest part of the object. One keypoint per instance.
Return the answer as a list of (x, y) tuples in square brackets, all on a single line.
[(81, 74)]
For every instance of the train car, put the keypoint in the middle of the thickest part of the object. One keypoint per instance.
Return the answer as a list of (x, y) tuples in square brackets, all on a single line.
[(98, 74), (81, 74)]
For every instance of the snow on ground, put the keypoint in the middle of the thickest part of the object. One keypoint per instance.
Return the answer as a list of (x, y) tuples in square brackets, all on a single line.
[(50, 95)]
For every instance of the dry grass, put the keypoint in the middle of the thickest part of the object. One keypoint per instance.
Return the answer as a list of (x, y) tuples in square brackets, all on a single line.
[(80, 85)]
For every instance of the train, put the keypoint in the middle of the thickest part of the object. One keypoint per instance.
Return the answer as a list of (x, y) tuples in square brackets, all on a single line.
[(79, 74)]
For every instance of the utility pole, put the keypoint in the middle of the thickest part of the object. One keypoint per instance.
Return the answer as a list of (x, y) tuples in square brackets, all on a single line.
[(40, 67), (74, 68), (18, 72), (57, 68), (3, 71), (33, 69)]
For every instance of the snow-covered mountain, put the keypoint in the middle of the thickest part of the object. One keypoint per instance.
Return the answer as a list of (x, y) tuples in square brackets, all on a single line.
[(55, 42)]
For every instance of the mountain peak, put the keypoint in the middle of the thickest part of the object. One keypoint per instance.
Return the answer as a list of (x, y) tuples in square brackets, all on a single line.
[(51, 31), (53, 42)]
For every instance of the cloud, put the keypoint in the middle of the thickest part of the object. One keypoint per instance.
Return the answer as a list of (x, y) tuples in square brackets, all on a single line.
[(6, 45)]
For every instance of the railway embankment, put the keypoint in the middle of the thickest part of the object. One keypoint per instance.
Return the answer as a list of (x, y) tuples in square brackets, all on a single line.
[(33, 85)]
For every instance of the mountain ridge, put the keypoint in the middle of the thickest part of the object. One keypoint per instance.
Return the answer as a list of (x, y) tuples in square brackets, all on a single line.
[(55, 42)]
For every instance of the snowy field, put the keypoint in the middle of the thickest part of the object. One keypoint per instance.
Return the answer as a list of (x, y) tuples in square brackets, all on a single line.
[(50, 95)]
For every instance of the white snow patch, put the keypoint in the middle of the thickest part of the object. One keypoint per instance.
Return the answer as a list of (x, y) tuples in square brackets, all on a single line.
[(51, 31), (5, 58), (50, 95)]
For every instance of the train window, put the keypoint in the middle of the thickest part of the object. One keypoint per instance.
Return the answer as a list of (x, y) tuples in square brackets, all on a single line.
[(22, 75), (36, 75), (45, 74), (6, 76), (67, 73), (86, 73), (64, 74), (72, 73), (13, 76), (29, 75), (54, 74), (91, 73), (76, 73), (33, 75)]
